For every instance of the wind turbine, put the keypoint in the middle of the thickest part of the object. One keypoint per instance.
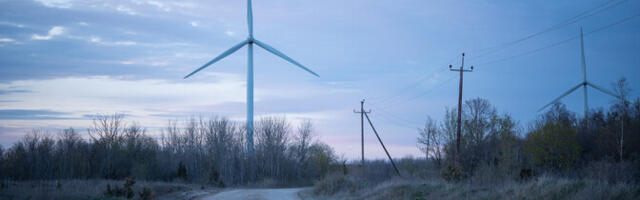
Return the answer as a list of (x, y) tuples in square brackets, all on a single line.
[(249, 42), (583, 84)]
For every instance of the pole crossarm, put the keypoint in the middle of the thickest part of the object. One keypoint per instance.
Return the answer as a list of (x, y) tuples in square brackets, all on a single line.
[(464, 70), (362, 112), (459, 120)]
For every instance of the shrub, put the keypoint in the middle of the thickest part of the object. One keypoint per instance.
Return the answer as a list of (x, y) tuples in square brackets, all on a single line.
[(145, 194), (125, 191), (452, 173), (553, 146), (334, 184)]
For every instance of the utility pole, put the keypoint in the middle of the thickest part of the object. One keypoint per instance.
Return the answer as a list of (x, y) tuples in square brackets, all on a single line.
[(621, 135), (383, 147), (461, 70), (362, 112)]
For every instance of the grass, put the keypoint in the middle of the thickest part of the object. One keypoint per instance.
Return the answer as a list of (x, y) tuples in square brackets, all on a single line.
[(94, 189), (544, 187)]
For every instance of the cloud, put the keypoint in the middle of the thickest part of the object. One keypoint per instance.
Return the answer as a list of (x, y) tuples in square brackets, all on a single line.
[(98, 40), (230, 33), (6, 40), (12, 24), (54, 31), (159, 5), (109, 94), (125, 43), (25, 114), (56, 3), (194, 23), (2, 92), (126, 10)]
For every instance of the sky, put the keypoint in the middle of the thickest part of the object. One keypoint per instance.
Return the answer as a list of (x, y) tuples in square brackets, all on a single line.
[(64, 61)]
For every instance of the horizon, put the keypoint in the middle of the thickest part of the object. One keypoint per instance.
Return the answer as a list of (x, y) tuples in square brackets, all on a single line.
[(64, 61)]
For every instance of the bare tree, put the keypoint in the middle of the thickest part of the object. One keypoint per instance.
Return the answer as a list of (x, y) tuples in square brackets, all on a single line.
[(431, 141), (479, 115), (622, 90), (272, 140), (107, 129), (300, 147), (303, 140)]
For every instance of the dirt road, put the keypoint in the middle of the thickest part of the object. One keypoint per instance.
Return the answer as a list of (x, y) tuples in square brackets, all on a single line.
[(257, 194)]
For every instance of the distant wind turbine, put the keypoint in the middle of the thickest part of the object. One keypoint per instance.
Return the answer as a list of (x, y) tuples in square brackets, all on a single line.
[(584, 83), (250, 41)]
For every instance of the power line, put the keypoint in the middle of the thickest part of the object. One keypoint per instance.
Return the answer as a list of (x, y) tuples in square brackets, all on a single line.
[(583, 15), (431, 89), (413, 84), (560, 42), (591, 12), (395, 117)]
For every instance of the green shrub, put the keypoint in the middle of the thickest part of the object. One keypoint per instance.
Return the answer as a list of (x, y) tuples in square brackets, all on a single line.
[(553, 146)]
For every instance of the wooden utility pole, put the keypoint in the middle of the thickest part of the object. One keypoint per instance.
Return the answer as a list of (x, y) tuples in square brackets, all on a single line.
[(621, 134), (383, 147), (461, 70), (362, 112)]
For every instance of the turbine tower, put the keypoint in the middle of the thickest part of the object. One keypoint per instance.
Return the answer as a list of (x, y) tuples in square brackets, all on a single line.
[(583, 84), (249, 42)]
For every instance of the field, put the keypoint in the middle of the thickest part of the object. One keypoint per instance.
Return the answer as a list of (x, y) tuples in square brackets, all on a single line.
[(95, 189), (544, 187)]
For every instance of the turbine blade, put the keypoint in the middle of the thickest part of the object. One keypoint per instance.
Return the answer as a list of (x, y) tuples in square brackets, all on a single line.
[(250, 18), (584, 63), (603, 90), (561, 96), (221, 56), (283, 56)]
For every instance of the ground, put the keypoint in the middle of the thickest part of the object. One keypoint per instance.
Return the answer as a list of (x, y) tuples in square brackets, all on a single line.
[(257, 194)]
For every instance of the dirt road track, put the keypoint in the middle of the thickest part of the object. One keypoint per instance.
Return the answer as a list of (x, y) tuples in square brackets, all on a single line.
[(257, 194)]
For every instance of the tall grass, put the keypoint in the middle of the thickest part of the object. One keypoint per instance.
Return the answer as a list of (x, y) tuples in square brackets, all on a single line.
[(94, 189), (543, 187)]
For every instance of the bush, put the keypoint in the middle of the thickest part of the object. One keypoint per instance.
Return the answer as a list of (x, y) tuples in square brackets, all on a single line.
[(125, 191), (452, 173), (145, 194), (553, 146), (334, 184), (611, 172)]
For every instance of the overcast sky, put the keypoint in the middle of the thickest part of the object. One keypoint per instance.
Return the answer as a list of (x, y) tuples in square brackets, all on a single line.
[(63, 61)]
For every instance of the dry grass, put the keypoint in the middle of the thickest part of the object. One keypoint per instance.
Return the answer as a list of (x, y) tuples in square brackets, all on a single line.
[(545, 187), (94, 189)]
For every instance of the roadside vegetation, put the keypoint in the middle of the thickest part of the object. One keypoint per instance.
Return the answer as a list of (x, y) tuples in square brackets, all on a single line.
[(197, 154), (97, 189), (558, 156)]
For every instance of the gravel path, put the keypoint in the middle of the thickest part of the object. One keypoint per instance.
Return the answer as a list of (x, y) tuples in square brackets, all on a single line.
[(257, 194)]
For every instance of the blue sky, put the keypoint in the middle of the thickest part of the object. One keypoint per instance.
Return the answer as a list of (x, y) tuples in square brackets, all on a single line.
[(62, 61)]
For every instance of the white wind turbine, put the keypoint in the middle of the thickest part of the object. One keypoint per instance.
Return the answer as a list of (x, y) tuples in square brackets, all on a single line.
[(583, 84), (249, 42)]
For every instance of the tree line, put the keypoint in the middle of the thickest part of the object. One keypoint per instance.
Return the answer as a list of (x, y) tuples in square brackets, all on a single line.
[(199, 150), (604, 144)]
